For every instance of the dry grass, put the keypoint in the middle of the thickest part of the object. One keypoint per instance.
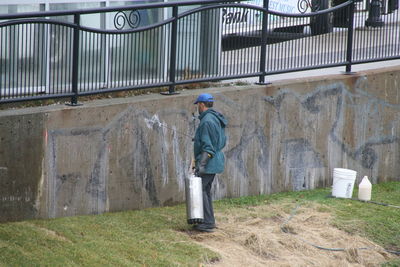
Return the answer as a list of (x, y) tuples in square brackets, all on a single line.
[(261, 241)]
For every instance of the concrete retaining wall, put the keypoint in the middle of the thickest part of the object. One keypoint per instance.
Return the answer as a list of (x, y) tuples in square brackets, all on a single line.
[(132, 153)]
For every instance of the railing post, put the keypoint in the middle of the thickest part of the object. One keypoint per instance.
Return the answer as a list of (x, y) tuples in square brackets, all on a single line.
[(172, 63), (349, 54), (75, 61), (263, 46)]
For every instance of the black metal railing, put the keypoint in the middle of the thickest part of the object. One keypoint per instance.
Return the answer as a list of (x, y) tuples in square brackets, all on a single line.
[(62, 54)]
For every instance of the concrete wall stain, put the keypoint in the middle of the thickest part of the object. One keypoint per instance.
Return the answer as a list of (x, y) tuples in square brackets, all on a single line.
[(300, 156), (21, 150)]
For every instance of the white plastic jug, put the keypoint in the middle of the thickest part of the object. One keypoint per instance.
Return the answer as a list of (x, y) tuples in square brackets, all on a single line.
[(364, 189)]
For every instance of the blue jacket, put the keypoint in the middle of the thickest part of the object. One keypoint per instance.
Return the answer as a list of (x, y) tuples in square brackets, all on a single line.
[(210, 137)]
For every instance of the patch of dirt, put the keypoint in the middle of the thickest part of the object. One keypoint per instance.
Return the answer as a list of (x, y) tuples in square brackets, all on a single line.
[(49, 233), (260, 241)]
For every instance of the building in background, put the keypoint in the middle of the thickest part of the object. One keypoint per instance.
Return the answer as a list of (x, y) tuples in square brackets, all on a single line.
[(51, 53), (42, 52)]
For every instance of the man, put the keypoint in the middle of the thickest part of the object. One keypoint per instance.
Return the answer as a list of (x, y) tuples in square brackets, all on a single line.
[(209, 140)]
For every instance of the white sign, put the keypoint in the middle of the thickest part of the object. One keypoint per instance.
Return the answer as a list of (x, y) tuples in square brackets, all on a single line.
[(250, 19), (284, 6)]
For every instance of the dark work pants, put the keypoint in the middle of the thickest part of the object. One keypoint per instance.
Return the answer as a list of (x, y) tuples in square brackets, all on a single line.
[(207, 180)]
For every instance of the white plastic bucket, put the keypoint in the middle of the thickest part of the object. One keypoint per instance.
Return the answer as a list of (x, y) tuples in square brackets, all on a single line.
[(343, 182)]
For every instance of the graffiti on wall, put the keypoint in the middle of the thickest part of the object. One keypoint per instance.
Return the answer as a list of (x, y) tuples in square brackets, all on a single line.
[(287, 141), (120, 163), (357, 124)]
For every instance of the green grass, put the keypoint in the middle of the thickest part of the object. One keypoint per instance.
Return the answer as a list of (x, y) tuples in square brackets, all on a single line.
[(151, 237), (156, 237)]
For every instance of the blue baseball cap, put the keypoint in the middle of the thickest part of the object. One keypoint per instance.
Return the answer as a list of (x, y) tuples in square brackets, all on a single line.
[(204, 98)]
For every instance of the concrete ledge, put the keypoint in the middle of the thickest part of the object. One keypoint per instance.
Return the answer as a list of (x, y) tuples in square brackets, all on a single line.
[(133, 153)]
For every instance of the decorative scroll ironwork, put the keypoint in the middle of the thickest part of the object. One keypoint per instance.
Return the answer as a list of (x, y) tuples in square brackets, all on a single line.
[(303, 5), (121, 18)]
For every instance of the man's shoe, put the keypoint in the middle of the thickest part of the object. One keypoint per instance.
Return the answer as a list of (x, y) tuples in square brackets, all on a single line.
[(203, 228), (206, 225)]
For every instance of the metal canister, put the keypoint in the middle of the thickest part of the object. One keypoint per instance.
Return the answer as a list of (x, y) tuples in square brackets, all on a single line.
[(194, 199)]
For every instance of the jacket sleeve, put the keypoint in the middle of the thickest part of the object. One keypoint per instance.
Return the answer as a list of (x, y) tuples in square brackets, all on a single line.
[(205, 139)]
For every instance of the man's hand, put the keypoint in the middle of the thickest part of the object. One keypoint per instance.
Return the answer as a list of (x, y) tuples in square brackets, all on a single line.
[(200, 170)]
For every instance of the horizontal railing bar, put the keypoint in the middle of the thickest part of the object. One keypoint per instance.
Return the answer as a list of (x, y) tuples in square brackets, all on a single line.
[(139, 29), (124, 88), (166, 84), (110, 9), (218, 78), (167, 5), (271, 12), (322, 66), (375, 60), (37, 21), (33, 98), (83, 28)]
